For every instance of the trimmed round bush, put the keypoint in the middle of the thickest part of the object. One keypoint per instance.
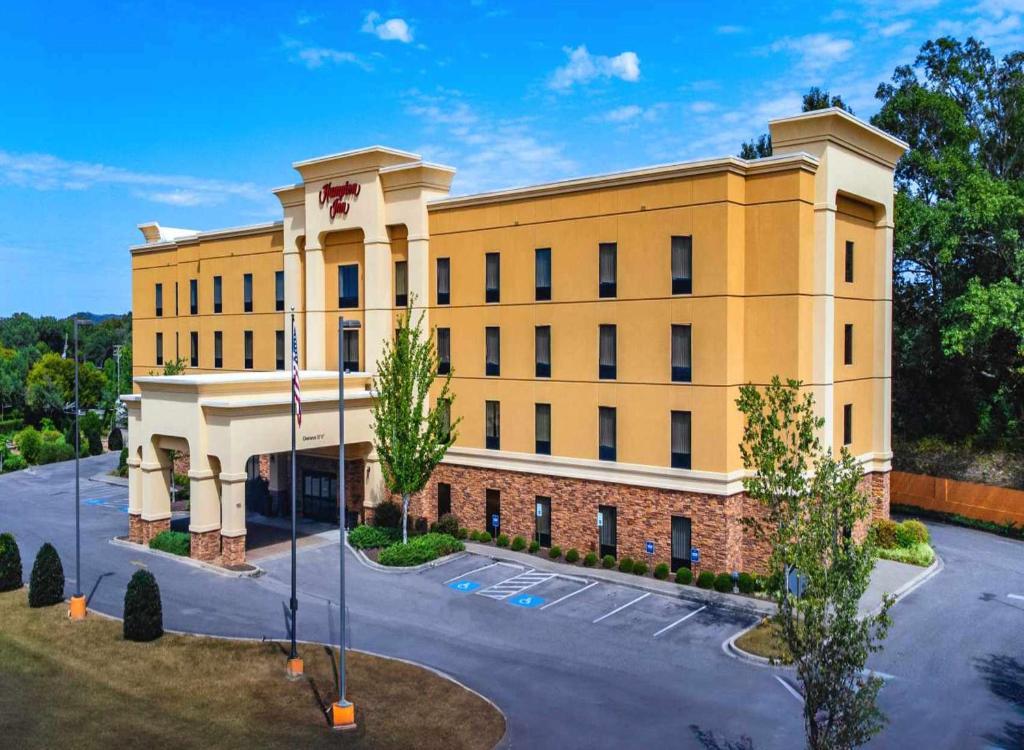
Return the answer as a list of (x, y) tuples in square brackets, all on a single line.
[(626, 565), (883, 531), (447, 524), (483, 537), (115, 440), (46, 585), (608, 562), (590, 559), (462, 533), (143, 614), (534, 547), (175, 542), (910, 533), (518, 544), (706, 579), (661, 571), (10, 563), (746, 583), (555, 552), (502, 540), (639, 568), (28, 441), (723, 583), (388, 514), (684, 576), (572, 555)]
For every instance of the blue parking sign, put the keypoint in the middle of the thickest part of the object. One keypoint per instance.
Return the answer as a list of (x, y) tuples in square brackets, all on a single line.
[(694, 555), (650, 547), (494, 520)]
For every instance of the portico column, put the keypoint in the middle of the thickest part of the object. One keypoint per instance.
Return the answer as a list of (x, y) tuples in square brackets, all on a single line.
[(156, 491), (134, 499), (823, 331), (204, 512), (374, 491), (314, 358), (232, 525), (378, 317)]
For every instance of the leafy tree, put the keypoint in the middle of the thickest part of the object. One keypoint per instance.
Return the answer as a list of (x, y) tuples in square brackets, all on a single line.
[(92, 428), (51, 385), (410, 436), (810, 504), (14, 366), (814, 99)]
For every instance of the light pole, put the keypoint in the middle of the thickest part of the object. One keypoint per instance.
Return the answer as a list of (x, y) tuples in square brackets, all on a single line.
[(343, 713), (77, 610)]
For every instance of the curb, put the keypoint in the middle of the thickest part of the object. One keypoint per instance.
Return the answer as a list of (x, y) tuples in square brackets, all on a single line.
[(368, 563), (733, 651), (108, 479), (912, 585), (189, 561)]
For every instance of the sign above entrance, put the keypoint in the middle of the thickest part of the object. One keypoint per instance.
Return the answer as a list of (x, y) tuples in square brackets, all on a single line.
[(336, 196)]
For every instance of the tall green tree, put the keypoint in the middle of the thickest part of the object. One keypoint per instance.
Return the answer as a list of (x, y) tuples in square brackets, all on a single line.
[(411, 435), (814, 99), (51, 385), (810, 505)]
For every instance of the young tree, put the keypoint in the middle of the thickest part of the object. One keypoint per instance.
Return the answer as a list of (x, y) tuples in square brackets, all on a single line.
[(811, 504), (410, 435)]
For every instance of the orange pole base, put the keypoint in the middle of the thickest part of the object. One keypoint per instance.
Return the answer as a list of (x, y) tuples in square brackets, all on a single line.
[(77, 609), (295, 668), (343, 716)]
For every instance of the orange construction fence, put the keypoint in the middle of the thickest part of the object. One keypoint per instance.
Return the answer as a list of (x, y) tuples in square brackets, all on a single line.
[(983, 502)]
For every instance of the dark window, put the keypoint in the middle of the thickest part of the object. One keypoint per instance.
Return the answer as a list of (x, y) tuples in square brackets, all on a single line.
[(247, 292), (444, 499), (848, 344), (176, 298), (279, 350), (606, 428), (248, 350), (218, 294), (682, 265), (193, 296), (218, 349), (193, 348), (849, 262), (492, 509), (348, 286), (493, 343), (542, 428), (542, 532), (847, 424), (607, 270), (159, 348), (681, 542), (350, 343), (682, 345), (401, 283), (279, 290), (493, 424), (493, 277), (606, 345), (681, 439), (444, 280), (542, 273), (542, 351), (159, 300), (444, 351), (177, 347), (607, 531)]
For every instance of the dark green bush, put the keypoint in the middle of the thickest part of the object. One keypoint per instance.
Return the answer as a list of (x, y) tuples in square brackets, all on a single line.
[(590, 559), (771, 583), (484, 537), (608, 562), (92, 428), (419, 526), (518, 544), (52, 452), (115, 440), (639, 568), (447, 524), (14, 462), (29, 441), (706, 579), (723, 583), (626, 565), (746, 583), (883, 531), (555, 552), (10, 563), (684, 576), (143, 613), (388, 515), (502, 540), (910, 533), (175, 542), (420, 550), (572, 555), (46, 585), (534, 547), (661, 571), (368, 537), (462, 533)]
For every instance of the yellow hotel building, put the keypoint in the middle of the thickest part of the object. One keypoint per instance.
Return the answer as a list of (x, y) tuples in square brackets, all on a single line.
[(598, 331)]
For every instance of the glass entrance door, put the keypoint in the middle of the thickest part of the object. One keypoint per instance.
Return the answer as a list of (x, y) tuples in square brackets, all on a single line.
[(607, 532), (680, 543), (543, 516), (493, 508), (320, 496)]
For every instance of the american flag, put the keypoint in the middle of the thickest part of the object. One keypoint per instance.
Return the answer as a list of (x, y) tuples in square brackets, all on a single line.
[(296, 390)]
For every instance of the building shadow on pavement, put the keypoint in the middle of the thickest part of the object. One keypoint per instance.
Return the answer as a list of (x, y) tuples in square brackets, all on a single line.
[(1004, 676)]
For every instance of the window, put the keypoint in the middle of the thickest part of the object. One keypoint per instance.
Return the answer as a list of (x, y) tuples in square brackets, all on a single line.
[(607, 252), (193, 296), (218, 349), (444, 499), (348, 285), (159, 348), (350, 343), (493, 277), (681, 440), (542, 351), (607, 529), (193, 346), (542, 273), (849, 262), (606, 429), (279, 291), (444, 351), (681, 542), (606, 365), (681, 354), (401, 283), (444, 280), (248, 350), (542, 428), (217, 294), (493, 425), (159, 300), (848, 344), (493, 341), (682, 265), (279, 350), (247, 292), (847, 424), (175, 298)]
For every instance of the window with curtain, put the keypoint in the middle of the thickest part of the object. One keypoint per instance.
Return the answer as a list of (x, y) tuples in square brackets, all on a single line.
[(606, 344), (847, 424), (542, 350), (682, 265), (493, 277), (848, 344), (193, 296), (444, 351), (248, 350), (606, 429), (492, 419), (849, 262), (159, 300), (401, 283), (542, 428), (444, 272), (681, 440), (218, 295), (247, 292), (159, 348), (542, 273), (193, 348), (348, 286), (350, 342), (493, 342), (279, 350), (681, 354), (607, 252), (218, 349), (279, 291)]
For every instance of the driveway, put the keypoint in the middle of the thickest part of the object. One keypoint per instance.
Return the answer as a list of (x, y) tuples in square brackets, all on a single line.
[(571, 664)]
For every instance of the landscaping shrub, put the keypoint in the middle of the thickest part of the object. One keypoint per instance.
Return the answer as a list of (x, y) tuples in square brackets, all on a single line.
[(572, 555), (115, 440), (50, 452), (46, 585), (14, 462), (92, 427), (502, 540), (462, 533), (883, 531), (420, 526), (706, 579), (608, 562), (447, 524), (483, 537), (555, 552), (143, 613), (626, 565), (639, 568), (10, 563), (388, 515), (911, 532), (534, 547), (175, 542), (684, 576), (746, 583), (771, 583), (518, 544), (723, 583), (590, 560), (369, 537), (28, 441), (920, 554), (420, 550), (661, 571)]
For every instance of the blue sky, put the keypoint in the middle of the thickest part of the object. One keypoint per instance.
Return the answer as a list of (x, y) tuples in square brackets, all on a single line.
[(186, 113)]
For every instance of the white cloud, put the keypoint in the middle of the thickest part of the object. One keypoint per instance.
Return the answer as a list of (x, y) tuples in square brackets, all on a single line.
[(623, 114), (584, 67), (314, 57), (629, 114), (816, 52), (896, 28), (391, 30), (730, 29), (702, 107)]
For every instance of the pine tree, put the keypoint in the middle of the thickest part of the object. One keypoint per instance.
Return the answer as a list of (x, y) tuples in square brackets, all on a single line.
[(46, 585)]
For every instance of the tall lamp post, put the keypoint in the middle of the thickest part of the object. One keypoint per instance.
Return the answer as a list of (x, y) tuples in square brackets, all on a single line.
[(77, 610), (343, 713)]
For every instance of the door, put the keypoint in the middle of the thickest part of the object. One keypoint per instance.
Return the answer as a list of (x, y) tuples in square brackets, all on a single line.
[(607, 532), (681, 541), (543, 517), (320, 496), (492, 509)]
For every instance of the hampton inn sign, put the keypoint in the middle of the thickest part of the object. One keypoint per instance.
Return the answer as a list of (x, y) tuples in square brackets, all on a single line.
[(335, 195)]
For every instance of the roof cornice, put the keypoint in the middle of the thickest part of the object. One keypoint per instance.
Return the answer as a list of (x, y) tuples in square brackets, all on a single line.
[(215, 234)]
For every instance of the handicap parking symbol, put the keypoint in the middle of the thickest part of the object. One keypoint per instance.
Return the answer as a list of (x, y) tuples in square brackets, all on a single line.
[(526, 600), (464, 585)]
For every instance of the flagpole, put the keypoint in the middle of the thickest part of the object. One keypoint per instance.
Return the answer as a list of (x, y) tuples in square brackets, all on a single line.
[(294, 662)]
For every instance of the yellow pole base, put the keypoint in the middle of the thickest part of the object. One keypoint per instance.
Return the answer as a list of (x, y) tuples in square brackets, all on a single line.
[(343, 716), (77, 609), (295, 668)]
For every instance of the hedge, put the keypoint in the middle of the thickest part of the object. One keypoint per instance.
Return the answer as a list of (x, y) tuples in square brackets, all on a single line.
[(368, 537), (175, 542), (420, 550)]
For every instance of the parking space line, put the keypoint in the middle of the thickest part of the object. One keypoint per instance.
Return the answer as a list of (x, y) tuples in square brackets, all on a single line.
[(515, 585), (619, 609), (789, 688), (470, 572), (571, 593), (679, 621), (1014, 596)]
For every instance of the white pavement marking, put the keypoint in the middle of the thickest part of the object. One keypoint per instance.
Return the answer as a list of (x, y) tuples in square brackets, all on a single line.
[(679, 621), (619, 609), (514, 585), (1014, 596), (477, 570), (789, 688), (571, 593)]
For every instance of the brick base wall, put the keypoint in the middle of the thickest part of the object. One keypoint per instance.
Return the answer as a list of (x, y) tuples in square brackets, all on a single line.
[(135, 528), (151, 528), (205, 545), (232, 550)]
